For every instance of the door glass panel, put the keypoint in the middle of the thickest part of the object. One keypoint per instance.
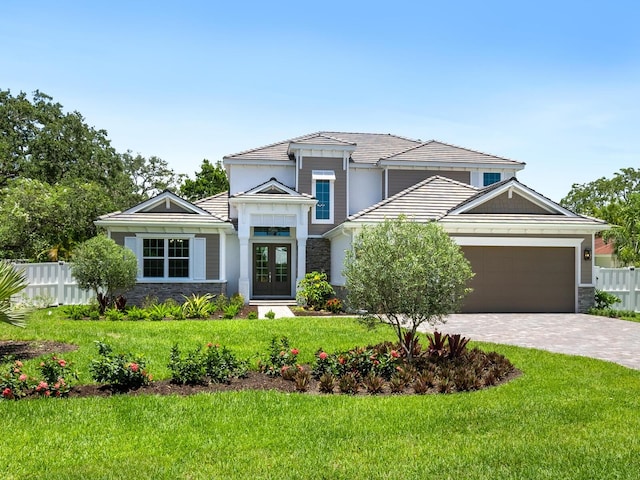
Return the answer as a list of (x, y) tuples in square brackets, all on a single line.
[(282, 270), (261, 264)]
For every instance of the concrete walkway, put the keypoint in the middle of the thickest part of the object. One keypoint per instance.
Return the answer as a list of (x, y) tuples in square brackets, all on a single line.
[(575, 334)]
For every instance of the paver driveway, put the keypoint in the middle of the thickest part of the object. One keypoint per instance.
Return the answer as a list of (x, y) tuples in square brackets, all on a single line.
[(575, 334)]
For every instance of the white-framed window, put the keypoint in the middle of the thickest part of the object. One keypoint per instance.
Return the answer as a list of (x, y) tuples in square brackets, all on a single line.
[(165, 257), (489, 178), (322, 183)]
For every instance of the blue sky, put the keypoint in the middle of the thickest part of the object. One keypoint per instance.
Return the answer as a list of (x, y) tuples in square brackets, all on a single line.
[(553, 84)]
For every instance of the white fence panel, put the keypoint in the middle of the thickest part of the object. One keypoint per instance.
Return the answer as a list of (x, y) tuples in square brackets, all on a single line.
[(52, 284), (624, 283)]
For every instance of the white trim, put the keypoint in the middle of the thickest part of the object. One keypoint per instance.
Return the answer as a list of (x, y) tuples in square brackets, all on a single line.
[(166, 197), (331, 200), (140, 237), (323, 175)]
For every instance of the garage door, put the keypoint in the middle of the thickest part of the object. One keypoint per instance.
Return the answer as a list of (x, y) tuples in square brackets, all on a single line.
[(521, 279)]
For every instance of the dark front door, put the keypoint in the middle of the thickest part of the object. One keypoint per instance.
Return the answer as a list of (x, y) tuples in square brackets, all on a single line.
[(271, 270)]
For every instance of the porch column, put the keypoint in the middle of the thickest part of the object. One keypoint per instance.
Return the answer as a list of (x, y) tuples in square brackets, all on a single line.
[(243, 282), (302, 260), (222, 274)]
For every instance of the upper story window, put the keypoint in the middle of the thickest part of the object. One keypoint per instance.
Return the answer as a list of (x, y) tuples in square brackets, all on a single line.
[(322, 190), (165, 257), (489, 178)]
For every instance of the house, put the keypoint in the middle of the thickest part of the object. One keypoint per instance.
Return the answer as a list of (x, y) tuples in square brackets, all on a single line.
[(604, 253), (295, 206)]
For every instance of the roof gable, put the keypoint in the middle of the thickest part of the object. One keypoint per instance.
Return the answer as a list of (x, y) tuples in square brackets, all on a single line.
[(271, 187), (434, 152), (166, 202)]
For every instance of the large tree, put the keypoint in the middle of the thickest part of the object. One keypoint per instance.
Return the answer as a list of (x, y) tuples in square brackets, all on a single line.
[(150, 176), (211, 179), (406, 274), (615, 200)]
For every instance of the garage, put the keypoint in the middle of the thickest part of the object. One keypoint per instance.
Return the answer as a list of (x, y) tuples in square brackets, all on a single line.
[(510, 279)]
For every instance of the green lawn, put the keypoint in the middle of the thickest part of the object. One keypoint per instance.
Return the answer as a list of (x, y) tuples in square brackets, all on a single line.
[(566, 417)]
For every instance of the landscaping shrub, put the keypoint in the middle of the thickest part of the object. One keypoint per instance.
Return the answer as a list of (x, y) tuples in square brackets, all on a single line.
[(137, 314), (215, 364), (604, 300), (13, 382), (280, 355), (314, 290), (120, 371), (334, 305), (187, 369), (221, 364), (56, 373), (197, 306), (114, 315)]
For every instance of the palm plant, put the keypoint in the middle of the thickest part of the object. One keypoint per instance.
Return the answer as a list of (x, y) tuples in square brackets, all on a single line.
[(12, 282)]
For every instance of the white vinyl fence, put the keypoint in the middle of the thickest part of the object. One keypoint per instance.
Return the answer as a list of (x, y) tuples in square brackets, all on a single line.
[(50, 284), (624, 283)]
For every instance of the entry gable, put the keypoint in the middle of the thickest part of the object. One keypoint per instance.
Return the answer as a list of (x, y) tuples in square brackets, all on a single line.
[(271, 187)]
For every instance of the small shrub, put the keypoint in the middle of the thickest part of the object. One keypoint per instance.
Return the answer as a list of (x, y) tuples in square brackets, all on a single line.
[(161, 311), (56, 373), (302, 378), (120, 371), (114, 315), (231, 311), (137, 314), (221, 302), (327, 382), (605, 299), (270, 315), (149, 301), (77, 312), (456, 345), (252, 315), (280, 354), (334, 305), (187, 369), (197, 306), (397, 384), (373, 383), (314, 290), (13, 382), (348, 384), (221, 364)]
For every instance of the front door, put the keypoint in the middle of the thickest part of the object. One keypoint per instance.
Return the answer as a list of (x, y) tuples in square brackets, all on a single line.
[(271, 270)]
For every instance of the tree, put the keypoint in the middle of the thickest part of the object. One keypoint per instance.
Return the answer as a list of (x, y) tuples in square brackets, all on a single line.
[(405, 274), (39, 140), (101, 265), (12, 282), (211, 179), (614, 200), (44, 222), (150, 176)]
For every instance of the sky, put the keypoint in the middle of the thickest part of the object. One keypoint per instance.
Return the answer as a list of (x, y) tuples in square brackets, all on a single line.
[(553, 84)]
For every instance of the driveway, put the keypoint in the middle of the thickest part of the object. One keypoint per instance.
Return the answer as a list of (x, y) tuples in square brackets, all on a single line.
[(575, 334)]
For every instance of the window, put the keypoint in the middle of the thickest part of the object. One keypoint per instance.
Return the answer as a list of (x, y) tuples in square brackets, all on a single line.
[(322, 189), (165, 257), (489, 178), (271, 232)]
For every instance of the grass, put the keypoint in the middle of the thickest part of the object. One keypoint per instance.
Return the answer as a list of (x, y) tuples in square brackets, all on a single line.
[(566, 417)]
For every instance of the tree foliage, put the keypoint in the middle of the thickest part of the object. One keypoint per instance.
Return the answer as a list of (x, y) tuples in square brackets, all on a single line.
[(210, 180), (615, 200), (12, 282), (101, 265), (58, 174), (406, 274)]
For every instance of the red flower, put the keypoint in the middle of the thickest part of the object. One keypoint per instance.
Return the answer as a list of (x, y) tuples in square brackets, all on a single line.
[(395, 354), (209, 345), (62, 363), (47, 393), (7, 393), (323, 355), (134, 367), (341, 360), (294, 351), (42, 386)]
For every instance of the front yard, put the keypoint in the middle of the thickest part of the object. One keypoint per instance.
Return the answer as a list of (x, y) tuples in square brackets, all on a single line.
[(565, 417)]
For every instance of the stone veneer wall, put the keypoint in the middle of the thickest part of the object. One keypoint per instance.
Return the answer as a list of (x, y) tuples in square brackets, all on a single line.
[(319, 256), (164, 291), (586, 298)]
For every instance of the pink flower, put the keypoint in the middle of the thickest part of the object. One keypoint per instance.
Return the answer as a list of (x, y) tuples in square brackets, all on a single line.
[(395, 354), (341, 360), (284, 368), (42, 386), (323, 355), (19, 363), (62, 363), (134, 367), (294, 351), (47, 393), (7, 393), (22, 378), (57, 385)]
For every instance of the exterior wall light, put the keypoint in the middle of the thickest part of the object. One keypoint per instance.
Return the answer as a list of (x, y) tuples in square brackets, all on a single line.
[(586, 254)]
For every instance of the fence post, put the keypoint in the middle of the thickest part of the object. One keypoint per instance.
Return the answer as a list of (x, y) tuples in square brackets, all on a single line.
[(633, 283), (62, 275)]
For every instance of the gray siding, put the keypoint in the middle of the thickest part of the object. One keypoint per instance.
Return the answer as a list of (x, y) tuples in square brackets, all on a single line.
[(173, 208), (503, 204), (339, 194), (118, 237), (213, 256), (401, 179)]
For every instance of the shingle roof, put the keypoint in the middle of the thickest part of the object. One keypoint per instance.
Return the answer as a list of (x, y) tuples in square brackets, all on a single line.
[(439, 152), (427, 200), (520, 219), (370, 147), (217, 205)]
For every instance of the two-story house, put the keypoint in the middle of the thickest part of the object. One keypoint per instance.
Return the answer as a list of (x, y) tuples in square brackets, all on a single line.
[(295, 206)]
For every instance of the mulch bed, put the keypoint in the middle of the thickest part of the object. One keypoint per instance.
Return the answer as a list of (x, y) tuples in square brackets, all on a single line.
[(25, 350)]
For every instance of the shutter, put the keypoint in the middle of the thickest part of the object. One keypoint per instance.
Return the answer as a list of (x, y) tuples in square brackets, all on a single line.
[(199, 259), (132, 244)]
